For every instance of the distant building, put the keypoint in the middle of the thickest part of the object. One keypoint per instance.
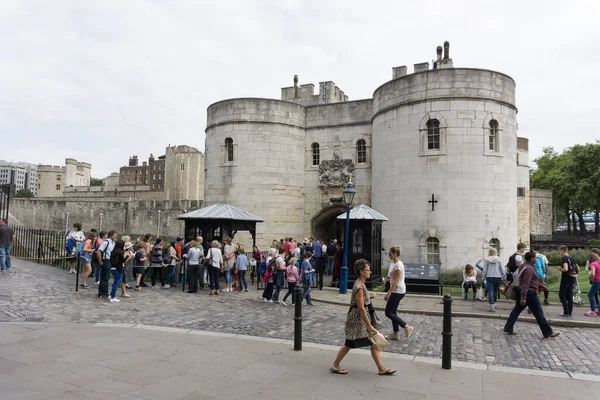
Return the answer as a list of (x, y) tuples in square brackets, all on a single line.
[(151, 173), (20, 174), (52, 179)]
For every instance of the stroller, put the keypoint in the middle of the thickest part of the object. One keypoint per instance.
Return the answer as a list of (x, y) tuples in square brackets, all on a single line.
[(577, 299)]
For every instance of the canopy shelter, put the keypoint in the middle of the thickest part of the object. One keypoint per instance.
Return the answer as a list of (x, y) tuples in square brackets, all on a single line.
[(218, 221), (364, 240)]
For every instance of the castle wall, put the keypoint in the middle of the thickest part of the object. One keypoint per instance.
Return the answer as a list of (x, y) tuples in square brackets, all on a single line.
[(184, 173), (523, 192), (473, 186), (541, 213), (136, 217), (265, 177), (51, 181)]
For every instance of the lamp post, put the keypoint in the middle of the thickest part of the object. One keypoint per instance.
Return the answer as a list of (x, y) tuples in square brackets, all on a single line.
[(158, 225), (349, 193), (101, 215), (67, 223)]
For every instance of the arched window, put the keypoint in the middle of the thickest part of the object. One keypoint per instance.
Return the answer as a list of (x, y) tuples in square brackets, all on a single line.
[(361, 151), (495, 243), (229, 149), (433, 134), (316, 154), (493, 136), (433, 250)]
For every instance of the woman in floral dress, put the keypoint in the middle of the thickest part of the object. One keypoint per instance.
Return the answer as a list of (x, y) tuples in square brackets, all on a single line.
[(358, 323)]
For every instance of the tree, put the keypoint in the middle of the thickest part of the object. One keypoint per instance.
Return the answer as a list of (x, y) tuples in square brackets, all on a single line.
[(24, 194), (96, 182)]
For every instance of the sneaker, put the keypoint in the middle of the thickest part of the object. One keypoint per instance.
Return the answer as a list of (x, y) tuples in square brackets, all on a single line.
[(564, 316), (265, 299), (546, 302), (144, 284), (84, 286), (114, 300), (167, 286), (97, 283), (153, 286), (591, 314), (282, 303), (138, 288), (270, 301), (466, 297), (246, 290), (491, 309)]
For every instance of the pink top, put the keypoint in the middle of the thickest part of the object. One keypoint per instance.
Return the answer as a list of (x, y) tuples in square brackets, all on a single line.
[(292, 274), (596, 266)]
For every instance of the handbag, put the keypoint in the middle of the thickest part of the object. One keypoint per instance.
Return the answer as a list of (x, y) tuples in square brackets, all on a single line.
[(378, 340), (375, 321), (513, 292), (208, 261), (480, 294)]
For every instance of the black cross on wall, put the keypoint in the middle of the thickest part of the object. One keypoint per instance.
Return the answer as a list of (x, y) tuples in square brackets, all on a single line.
[(432, 201)]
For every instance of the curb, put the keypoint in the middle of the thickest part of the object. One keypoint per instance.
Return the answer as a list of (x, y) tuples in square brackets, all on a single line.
[(553, 322)]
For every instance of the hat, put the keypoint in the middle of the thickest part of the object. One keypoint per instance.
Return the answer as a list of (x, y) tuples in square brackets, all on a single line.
[(308, 254), (128, 245)]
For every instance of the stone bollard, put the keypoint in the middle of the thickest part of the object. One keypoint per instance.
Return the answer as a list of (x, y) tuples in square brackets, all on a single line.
[(447, 333), (298, 317)]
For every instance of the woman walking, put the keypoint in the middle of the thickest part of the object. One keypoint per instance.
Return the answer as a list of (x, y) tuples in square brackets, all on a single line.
[(396, 293), (594, 274), (242, 267), (228, 263), (193, 256), (86, 259), (307, 277), (214, 253), (493, 273), (292, 278), (279, 275), (358, 323)]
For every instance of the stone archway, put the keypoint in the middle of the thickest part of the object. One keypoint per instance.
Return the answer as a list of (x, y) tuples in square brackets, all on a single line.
[(323, 224)]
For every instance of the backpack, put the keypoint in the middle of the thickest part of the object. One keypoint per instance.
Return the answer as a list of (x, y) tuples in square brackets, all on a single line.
[(512, 263), (573, 269), (167, 257), (186, 248), (69, 247), (262, 267), (157, 255)]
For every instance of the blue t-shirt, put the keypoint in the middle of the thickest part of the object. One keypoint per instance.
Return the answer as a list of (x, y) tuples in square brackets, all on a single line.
[(242, 262), (317, 249), (540, 266), (305, 268)]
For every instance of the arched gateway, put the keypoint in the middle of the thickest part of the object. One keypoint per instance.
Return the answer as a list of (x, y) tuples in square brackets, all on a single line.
[(323, 225)]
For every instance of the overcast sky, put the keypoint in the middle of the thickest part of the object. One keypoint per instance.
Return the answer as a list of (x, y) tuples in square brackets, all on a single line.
[(101, 80)]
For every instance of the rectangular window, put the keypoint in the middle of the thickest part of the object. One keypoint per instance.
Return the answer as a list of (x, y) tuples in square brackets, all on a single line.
[(146, 181), (153, 177), (57, 187), (183, 167), (433, 252), (158, 185), (492, 140), (520, 192), (159, 176), (539, 208), (160, 167), (153, 186), (58, 178)]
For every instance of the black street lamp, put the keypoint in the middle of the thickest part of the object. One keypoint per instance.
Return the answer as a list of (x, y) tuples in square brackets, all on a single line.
[(349, 193)]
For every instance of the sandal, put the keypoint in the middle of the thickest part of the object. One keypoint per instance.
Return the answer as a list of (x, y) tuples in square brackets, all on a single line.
[(408, 331), (388, 372), (338, 371)]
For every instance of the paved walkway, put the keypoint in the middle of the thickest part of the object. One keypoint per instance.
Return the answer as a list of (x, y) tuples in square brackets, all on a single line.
[(33, 290), (432, 305), (77, 361)]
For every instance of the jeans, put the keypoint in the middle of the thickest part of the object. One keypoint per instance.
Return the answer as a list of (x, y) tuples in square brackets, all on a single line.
[(116, 282), (291, 286), (566, 293), (171, 275), (533, 302), (469, 284), (213, 276), (319, 268), (329, 265), (193, 271), (228, 276), (592, 295), (493, 285), (391, 309), (95, 269), (242, 279), (5, 257), (306, 294), (104, 277), (277, 291)]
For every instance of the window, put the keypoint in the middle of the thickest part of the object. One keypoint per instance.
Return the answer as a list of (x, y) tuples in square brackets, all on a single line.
[(128, 181), (122, 181), (361, 151), (160, 167), (539, 208), (495, 243), (158, 186), (154, 168), (146, 181), (159, 176), (183, 167), (58, 178), (316, 155), (57, 187), (123, 173), (357, 241), (229, 149), (153, 177), (520, 192), (433, 134), (433, 250), (493, 136), (153, 186)]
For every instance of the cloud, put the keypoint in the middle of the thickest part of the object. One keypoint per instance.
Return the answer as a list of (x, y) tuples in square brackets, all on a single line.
[(100, 81)]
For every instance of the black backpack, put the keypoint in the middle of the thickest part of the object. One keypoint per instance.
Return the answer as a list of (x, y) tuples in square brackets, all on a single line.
[(512, 263), (573, 269)]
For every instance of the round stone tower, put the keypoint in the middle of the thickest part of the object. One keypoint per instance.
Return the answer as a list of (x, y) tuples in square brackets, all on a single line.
[(445, 169), (255, 160)]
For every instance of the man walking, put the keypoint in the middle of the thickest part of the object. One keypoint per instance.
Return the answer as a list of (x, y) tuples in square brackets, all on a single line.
[(317, 256), (7, 236), (569, 271), (541, 268)]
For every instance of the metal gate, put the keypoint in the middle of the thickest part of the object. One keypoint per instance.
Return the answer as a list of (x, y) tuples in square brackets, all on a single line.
[(4, 201)]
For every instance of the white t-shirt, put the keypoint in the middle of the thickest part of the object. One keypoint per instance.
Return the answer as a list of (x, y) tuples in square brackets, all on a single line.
[(401, 286)]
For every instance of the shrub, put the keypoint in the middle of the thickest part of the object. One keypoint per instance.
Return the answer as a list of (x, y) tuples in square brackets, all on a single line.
[(454, 277), (580, 255), (594, 243)]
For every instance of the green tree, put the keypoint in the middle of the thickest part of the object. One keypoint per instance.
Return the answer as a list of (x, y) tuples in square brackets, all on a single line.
[(96, 182), (24, 194)]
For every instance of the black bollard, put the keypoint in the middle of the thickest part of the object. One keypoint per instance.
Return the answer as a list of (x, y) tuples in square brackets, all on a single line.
[(298, 318), (447, 333), (77, 274)]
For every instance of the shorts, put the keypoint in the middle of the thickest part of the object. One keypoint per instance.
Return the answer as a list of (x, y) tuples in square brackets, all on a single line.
[(138, 270), (86, 258)]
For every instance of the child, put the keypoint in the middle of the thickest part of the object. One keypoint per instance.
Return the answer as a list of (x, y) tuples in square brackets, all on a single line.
[(242, 267), (292, 278), (470, 281)]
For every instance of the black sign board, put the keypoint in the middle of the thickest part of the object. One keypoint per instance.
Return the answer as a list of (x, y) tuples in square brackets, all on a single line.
[(424, 274)]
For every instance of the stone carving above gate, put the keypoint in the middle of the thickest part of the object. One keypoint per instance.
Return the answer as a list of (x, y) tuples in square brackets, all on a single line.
[(336, 172)]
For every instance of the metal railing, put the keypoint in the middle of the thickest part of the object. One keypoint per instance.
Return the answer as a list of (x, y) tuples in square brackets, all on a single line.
[(42, 246)]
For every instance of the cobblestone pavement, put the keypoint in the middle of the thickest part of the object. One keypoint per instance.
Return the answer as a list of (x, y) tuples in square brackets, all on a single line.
[(31, 290)]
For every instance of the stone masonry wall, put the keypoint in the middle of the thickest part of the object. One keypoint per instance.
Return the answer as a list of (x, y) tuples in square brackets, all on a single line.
[(541, 213)]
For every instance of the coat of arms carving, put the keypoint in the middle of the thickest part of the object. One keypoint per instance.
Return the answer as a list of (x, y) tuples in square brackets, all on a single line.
[(336, 172)]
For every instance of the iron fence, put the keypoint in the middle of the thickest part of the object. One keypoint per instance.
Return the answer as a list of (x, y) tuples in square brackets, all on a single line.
[(4, 201), (42, 246)]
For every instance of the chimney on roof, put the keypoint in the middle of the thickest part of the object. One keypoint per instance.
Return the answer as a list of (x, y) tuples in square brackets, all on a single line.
[(446, 50), (296, 88)]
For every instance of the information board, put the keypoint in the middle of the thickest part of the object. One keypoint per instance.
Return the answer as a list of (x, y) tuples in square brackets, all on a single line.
[(427, 272)]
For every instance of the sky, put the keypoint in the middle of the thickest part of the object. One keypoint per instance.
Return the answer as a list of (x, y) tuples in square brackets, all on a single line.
[(99, 81)]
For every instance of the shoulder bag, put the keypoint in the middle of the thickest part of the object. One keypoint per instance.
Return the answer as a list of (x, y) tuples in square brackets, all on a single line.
[(378, 340), (208, 261), (513, 291)]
